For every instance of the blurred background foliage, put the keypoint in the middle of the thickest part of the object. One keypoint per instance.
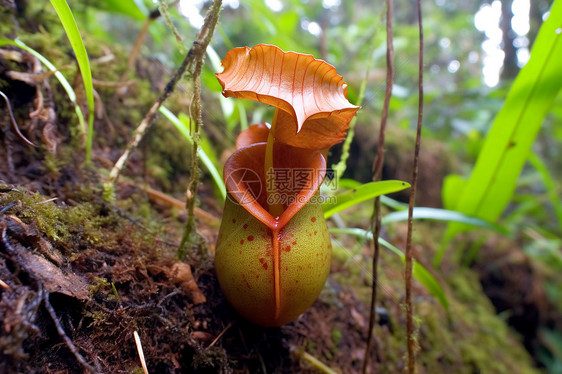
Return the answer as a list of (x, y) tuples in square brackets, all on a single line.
[(460, 59), (473, 52)]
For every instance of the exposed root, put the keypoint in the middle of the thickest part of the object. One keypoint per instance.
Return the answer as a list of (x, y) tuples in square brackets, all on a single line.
[(63, 335), (14, 123)]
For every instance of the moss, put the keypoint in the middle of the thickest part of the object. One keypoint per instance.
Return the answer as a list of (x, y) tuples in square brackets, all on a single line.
[(99, 285), (37, 209), (69, 228), (169, 159), (476, 340), (336, 336)]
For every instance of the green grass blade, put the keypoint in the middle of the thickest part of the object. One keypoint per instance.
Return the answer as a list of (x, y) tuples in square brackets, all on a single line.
[(227, 106), (421, 274), (337, 203), (549, 184), (348, 183), (64, 83), (393, 204), (131, 8), (205, 159), (242, 114), (71, 29), (453, 187), (441, 215), (507, 145)]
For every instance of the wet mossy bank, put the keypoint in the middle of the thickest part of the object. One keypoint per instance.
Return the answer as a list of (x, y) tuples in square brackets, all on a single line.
[(106, 273)]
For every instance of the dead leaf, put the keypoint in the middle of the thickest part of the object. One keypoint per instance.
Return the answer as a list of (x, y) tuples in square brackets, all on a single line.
[(53, 277), (182, 275)]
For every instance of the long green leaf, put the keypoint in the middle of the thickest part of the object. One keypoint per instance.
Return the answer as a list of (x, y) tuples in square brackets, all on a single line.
[(337, 203), (71, 29), (507, 145), (441, 215), (131, 8), (549, 184), (205, 159), (64, 83), (453, 187), (421, 274), (391, 203)]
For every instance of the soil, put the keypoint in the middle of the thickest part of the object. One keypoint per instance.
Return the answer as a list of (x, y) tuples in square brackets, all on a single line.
[(81, 272)]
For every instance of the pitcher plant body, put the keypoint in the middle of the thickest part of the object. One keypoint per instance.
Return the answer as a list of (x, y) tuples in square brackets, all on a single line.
[(273, 250)]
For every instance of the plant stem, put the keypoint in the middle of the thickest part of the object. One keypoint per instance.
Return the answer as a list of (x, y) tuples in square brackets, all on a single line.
[(188, 64), (409, 256), (313, 361), (135, 52), (199, 49), (377, 176), (60, 329), (273, 197)]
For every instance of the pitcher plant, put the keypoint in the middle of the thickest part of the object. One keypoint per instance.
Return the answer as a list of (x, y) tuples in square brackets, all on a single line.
[(273, 250)]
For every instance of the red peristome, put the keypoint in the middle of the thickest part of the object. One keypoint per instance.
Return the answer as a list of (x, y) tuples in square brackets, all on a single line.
[(245, 180)]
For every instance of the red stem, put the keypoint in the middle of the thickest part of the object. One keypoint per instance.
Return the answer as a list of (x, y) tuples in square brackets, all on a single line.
[(409, 255), (377, 175)]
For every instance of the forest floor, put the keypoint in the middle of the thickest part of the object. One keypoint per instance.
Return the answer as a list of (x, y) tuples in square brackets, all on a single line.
[(80, 274)]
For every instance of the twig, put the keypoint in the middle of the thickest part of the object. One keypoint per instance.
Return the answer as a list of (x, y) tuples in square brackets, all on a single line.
[(201, 43), (215, 340), (313, 361), (14, 123), (377, 176), (65, 337), (138, 44), (179, 204), (141, 353), (409, 259), (197, 50), (163, 6)]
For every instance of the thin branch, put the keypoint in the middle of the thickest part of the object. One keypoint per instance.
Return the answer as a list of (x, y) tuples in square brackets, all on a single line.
[(409, 256), (140, 351), (208, 28), (215, 340), (196, 51), (12, 118), (135, 52), (65, 337), (313, 361), (377, 175)]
